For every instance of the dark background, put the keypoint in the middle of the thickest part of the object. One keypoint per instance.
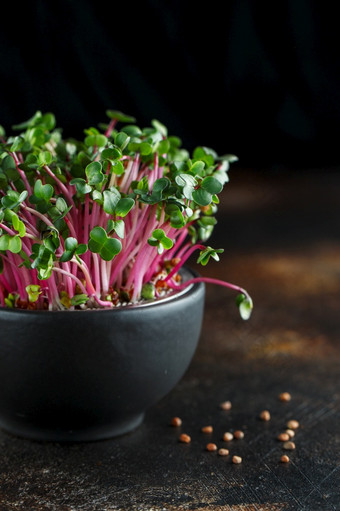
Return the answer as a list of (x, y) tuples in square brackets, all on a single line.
[(257, 79)]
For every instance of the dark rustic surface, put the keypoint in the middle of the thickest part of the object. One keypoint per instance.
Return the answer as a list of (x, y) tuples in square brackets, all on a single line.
[(281, 236)]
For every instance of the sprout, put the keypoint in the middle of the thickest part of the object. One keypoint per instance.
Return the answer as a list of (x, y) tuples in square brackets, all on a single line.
[(107, 219)]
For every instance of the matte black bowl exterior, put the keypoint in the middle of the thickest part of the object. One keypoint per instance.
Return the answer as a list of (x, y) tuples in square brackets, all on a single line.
[(91, 375)]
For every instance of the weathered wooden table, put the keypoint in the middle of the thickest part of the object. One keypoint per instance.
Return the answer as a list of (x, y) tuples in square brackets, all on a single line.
[(281, 235)]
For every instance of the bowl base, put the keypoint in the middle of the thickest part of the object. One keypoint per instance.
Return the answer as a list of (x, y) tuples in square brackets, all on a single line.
[(32, 432)]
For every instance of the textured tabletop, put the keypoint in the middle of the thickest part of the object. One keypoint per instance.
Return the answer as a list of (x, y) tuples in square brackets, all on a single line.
[(281, 235)]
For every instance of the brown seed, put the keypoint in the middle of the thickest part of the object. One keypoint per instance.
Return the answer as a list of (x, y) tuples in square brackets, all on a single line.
[(265, 415), (207, 429), (290, 433), (184, 438), (238, 434), (289, 446), (283, 437), (237, 460), (226, 405), (293, 424), (285, 458), (211, 447), (223, 452), (285, 396), (227, 437), (176, 421)]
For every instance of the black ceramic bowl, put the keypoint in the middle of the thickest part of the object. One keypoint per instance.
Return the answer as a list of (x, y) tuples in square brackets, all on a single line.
[(91, 375)]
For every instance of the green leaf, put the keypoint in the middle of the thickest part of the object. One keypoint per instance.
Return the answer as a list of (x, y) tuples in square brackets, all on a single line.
[(71, 244), (97, 196), (79, 299), (122, 140), (111, 248), (167, 242), (3, 181), (176, 216), (97, 240), (208, 252), (163, 146), (96, 140), (43, 192), (148, 291), (211, 185), (160, 127), (13, 199), (44, 158), (145, 148), (33, 291), (61, 205), (106, 247), (66, 256), (4, 240), (81, 186), (198, 168), (119, 116), (111, 199), (14, 244), (124, 205), (11, 243), (202, 197), (94, 173), (161, 184), (132, 130), (188, 182), (117, 167), (8, 163), (81, 249), (18, 225), (158, 234), (119, 228), (111, 153), (160, 240), (245, 305), (43, 259), (206, 155)]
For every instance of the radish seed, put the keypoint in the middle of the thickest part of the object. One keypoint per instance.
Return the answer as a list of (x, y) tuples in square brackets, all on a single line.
[(265, 415), (237, 460), (207, 429), (176, 421), (184, 438)]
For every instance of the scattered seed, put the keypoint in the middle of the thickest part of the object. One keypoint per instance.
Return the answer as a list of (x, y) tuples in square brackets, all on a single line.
[(285, 458), (283, 437), (265, 415), (227, 437), (237, 460), (223, 452), (285, 396), (293, 424), (184, 438), (289, 446), (211, 447), (226, 405), (238, 434), (176, 421), (207, 429), (290, 433)]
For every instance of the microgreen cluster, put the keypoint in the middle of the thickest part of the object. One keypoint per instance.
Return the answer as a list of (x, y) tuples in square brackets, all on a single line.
[(106, 220)]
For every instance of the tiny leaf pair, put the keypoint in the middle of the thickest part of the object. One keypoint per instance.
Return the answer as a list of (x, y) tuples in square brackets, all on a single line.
[(101, 244), (160, 240)]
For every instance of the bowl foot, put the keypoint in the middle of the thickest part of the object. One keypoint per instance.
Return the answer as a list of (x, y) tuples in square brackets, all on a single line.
[(89, 434)]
